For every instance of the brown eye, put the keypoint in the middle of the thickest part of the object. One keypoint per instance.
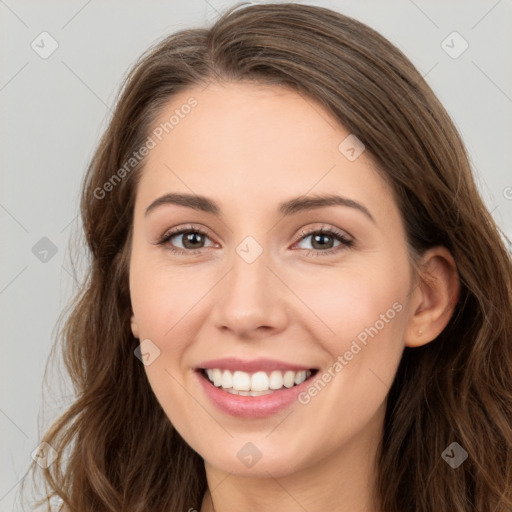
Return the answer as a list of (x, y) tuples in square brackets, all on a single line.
[(191, 239), (323, 240)]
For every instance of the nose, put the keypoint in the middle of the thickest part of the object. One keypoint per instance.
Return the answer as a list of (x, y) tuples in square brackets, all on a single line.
[(251, 300)]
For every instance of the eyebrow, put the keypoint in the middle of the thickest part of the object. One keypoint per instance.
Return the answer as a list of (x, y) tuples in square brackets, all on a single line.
[(287, 208)]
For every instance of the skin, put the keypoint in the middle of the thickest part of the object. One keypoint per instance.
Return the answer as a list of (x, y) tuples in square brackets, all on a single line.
[(250, 147)]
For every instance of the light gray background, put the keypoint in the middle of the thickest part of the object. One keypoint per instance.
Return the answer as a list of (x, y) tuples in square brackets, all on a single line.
[(53, 110)]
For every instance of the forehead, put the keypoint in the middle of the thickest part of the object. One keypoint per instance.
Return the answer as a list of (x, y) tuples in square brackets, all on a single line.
[(252, 143), (233, 117)]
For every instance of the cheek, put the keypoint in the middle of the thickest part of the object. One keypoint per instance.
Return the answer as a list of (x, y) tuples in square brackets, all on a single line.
[(163, 304), (162, 297), (363, 312), (348, 304)]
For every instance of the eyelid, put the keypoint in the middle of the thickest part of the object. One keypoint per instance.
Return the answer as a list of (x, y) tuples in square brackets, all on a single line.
[(327, 229), (302, 233), (199, 228), (333, 232)]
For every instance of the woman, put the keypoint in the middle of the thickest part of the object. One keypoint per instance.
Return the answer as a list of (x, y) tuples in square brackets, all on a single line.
[(297, 298)]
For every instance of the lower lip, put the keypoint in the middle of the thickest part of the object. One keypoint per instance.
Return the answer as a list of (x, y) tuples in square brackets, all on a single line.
[(252, 406)]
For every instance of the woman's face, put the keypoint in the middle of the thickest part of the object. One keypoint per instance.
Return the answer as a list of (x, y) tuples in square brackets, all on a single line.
[(257, 285)]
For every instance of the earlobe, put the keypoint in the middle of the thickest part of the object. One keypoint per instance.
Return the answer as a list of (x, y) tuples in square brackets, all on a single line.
[(434, 298), (135, 327)]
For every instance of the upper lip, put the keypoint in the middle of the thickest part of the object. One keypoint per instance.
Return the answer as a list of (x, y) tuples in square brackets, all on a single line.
[(232, 364)]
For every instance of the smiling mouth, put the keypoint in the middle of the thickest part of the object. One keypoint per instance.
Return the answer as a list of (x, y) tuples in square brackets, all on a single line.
[(255, 384)]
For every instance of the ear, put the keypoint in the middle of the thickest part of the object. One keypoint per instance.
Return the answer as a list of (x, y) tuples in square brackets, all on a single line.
[(434, 297), (135, 327)]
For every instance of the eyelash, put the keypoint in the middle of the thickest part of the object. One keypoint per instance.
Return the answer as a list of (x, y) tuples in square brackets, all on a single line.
[(345, 242)]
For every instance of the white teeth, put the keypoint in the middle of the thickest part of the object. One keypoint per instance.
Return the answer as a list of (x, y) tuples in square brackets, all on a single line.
[(300, 377), (248, 393), (217, 377), (289, 379), (256, 384), (241, 381), (227, 379), (259, 381), (276, 380), (258, 393)]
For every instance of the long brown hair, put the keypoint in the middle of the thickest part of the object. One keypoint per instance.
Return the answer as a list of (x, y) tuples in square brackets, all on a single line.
[(117, 450)]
